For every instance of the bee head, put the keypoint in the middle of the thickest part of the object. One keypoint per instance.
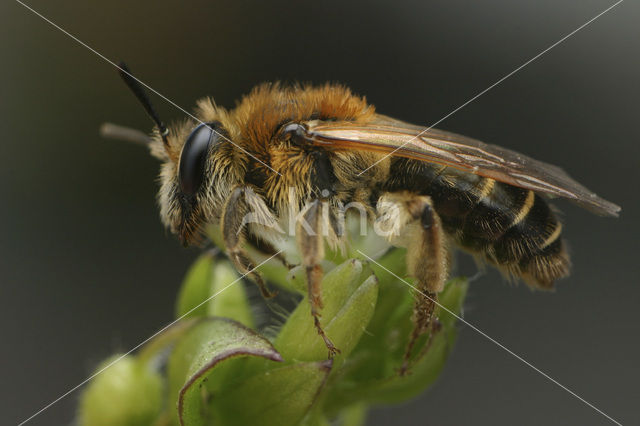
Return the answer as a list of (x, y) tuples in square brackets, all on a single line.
[(191, 184), (198, 167)]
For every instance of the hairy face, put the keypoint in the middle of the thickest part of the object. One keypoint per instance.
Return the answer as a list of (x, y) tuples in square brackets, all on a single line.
[(200, 167)]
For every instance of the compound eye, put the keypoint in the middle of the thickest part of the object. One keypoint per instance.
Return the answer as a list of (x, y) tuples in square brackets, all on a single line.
[(194, 156)]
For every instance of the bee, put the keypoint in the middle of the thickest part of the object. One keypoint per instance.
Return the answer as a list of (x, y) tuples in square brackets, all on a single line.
[(333, 148)]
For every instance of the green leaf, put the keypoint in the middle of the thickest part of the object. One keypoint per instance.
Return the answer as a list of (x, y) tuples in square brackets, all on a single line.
[(296, 279), (427, 369), (127, 393), (195, 288), (349, 293), (218, 283), (372, 375), (228, 300), (154, 351), (203, 354), (278, 397), (354, 415)]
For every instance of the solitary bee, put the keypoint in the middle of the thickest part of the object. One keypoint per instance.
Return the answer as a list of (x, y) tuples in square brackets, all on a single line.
[(333, 149)]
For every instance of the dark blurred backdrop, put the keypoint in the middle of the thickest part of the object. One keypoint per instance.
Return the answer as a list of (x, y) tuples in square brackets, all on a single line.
[(86, 268)]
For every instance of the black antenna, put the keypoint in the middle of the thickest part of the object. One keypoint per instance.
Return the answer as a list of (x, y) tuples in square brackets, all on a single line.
[(138, 90)]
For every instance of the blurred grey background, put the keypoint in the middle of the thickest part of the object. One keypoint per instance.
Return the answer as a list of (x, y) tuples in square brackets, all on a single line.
[(86, 268)]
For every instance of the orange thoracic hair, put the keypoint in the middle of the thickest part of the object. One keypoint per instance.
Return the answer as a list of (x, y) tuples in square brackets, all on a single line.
[(267, 107)]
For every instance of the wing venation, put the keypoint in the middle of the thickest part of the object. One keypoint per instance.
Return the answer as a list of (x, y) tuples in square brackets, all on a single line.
[(389, 136)]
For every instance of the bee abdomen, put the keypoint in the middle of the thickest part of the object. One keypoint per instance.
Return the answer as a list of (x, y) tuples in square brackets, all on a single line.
[(512, 228), (494, 214), (517, 231)]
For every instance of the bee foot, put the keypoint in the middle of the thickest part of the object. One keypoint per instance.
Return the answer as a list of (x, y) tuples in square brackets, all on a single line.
[(333, 350)]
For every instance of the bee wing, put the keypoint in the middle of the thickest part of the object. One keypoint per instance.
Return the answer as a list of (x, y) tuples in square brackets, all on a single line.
[(389, 136)]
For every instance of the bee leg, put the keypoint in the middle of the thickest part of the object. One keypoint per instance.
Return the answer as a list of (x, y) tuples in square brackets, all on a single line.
[(268, 249), (233, 234), (422, 317), (436, 326), (427, 261), (311, 246)]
